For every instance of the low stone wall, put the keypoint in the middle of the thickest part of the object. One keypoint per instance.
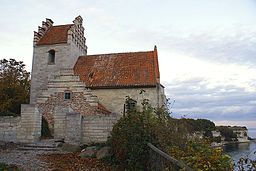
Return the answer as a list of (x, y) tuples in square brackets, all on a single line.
[(75, 128), (9, 127), (96, 129), (30, 130)]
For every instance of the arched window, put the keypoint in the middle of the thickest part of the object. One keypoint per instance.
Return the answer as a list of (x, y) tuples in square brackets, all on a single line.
[(51, 57)]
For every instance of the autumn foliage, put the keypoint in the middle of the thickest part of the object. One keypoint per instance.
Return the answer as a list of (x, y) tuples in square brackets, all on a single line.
[(14, 86), (199, 155), (132, 132)]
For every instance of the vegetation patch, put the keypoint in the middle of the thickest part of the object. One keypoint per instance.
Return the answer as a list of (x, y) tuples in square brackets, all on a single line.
[(5, 167), (14, 87), (133, 131)]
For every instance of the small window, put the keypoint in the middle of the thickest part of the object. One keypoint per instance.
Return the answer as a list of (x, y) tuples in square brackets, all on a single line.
[(130, 104), (67, 95), (51, 57)]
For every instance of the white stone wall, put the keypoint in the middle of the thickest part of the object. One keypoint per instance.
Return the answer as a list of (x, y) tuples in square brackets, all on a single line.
[(96, 129), (9, 127), (42, 71), (59, 122), (77, 129), (66, 55), (31, 121), (114, 99), (26, 128), (73, 128)]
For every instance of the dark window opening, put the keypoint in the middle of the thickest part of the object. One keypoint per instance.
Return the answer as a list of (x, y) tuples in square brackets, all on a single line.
[(67, 95), (91, 75), (51, 57), (130, 105)]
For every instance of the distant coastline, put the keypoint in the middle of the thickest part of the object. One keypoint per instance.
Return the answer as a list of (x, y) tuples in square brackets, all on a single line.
[(252, 132)]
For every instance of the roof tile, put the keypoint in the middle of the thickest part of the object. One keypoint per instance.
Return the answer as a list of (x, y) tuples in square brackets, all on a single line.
[(55, 35), (119, 69)]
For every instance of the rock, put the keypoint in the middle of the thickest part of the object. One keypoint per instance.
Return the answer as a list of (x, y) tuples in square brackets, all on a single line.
[(92, 148), (70, 147), (59, 144), (2, 145), (89, 152), (103, 152)]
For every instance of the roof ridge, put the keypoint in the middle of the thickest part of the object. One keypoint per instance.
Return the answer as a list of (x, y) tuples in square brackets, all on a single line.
[(62, 25), (120, 53)]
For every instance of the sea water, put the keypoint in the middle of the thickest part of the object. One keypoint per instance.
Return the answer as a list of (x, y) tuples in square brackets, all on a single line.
[(252, 132), (245, 150), (241, 150)]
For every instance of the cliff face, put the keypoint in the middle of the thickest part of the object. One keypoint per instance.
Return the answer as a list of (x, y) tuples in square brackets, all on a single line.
[(241, 133)]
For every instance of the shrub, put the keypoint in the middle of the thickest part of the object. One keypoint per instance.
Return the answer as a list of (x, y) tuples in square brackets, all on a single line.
[(200, 156), (227, 133), (130, 136), (6, 167), (135, 129)]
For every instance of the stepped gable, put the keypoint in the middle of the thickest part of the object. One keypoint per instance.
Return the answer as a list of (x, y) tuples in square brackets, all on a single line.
[(55, 35), (82, 100), (133, 69)]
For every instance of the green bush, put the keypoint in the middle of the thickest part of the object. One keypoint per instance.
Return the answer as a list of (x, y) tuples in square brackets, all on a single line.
[(200, 156), (130, 136), (135, 129), (6, 167), (227, 132)]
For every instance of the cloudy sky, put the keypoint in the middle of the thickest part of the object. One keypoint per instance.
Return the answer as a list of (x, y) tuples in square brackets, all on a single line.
[(207, 48)]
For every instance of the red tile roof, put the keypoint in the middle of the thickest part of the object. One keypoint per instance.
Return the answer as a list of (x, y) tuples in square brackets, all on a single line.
[(133, 69), (55, 35), (103, 109)]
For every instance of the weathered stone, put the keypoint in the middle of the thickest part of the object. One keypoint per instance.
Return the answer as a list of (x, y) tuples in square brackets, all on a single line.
[(103, 152), (89, 152), (9, 126), (113, 99), (65, 56), (70, 147)]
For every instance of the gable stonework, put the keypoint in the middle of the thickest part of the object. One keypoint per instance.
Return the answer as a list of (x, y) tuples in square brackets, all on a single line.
[(81, 102), (67, 41)]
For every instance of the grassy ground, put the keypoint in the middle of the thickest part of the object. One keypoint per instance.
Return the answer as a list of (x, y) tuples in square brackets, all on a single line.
[(4, 167)]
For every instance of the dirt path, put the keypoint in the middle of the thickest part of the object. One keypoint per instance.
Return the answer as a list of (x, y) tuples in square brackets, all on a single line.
[(40, 160), (11, 153), (25, 160)]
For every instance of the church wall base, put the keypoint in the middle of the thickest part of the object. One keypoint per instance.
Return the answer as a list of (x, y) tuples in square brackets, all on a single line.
[(30, 125)]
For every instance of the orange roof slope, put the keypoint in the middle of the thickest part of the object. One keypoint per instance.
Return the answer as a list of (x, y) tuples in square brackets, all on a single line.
[(55, 35), (134, 69)]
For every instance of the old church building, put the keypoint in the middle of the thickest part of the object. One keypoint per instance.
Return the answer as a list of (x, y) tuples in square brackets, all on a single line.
[(81, 96)]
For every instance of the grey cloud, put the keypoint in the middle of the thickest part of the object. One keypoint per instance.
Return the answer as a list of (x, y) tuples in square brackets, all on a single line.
[(236, 47), (230, 45), (213, 103)]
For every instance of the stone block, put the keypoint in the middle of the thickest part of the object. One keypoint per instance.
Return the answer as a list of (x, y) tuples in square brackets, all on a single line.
[(103, 153), (70, 147)]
